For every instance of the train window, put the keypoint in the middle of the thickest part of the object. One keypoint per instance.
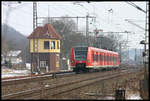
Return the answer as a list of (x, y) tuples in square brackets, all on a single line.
[(93, 57), (102, 57), (110, 58), (96, 57), (81, 53), (117, 59), (105, 58), (114, 61)]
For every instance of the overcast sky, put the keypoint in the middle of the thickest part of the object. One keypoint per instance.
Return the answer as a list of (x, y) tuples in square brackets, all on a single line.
[(110, 16)]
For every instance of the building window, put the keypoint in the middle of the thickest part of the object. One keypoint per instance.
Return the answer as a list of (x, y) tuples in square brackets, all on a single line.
[(52, 44), (42, 63), (46, 44), (58, 45)]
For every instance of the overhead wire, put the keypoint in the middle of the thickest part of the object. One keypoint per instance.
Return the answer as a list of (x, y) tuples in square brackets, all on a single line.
[(134, 5)]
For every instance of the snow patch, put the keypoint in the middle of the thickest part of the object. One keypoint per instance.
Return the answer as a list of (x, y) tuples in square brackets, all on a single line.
[(11, 72), (134, 97)]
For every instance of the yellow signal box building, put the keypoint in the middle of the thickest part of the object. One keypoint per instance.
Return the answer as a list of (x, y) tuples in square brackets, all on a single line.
[(45, 49)]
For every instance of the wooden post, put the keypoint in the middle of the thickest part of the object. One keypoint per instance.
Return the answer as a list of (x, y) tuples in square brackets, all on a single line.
[(120, 94)]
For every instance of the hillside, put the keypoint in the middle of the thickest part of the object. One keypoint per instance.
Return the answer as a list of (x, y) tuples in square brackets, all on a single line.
[(14, 38)]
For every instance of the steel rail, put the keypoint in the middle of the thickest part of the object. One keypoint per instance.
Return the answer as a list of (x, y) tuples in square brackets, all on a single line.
[(34, 78), (30, 92)]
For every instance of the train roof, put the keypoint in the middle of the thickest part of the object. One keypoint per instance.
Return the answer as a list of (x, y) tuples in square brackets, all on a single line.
[(103, 50), (98, 49)]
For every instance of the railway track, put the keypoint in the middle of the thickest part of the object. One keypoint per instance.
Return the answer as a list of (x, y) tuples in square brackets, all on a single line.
[(36, 75), (57, 86)]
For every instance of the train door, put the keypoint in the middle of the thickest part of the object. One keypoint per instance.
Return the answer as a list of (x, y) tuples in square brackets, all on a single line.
[(96, 58), (104, 59), (99, 58), (110, 60), (107, 59), (100, 54), (118, 60), (113, 60)]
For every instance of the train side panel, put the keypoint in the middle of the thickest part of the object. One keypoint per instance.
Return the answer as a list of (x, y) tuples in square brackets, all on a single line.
[(72, 57), (89, 60)]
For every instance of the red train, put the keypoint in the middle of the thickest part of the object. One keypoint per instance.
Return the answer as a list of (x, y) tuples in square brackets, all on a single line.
[(85, 58)]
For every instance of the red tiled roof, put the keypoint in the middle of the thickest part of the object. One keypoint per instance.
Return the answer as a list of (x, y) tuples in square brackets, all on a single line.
[(47, 31)]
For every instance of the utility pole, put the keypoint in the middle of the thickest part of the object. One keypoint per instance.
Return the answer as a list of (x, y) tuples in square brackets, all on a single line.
[(34, 15), (87, 23), (128, 46), (146, 45), (77, 23), (87, 29), (35, 41)]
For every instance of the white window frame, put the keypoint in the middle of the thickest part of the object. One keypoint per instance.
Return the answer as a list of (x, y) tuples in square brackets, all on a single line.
[(43, 64)]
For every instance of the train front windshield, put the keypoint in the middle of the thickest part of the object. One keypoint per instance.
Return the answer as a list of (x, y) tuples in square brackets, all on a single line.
[(81, 53)]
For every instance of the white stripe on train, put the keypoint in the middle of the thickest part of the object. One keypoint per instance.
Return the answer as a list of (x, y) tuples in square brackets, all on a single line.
[(99, 66)]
